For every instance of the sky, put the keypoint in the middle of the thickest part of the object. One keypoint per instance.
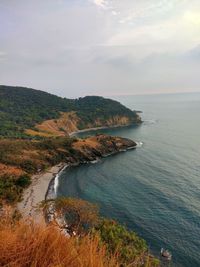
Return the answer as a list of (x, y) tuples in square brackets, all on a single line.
[(101, 47)]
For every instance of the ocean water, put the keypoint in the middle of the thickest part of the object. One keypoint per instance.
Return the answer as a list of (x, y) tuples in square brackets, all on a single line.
[(154, 189)]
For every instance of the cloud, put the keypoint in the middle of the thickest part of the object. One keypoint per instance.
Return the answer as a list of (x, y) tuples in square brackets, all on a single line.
[(115, 13), (3, 54), (82, 48), (101, 3)]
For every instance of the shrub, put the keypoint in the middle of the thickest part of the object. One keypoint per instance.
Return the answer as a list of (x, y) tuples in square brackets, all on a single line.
[(23, 181), (29, 166), (11, 188), (131, 249), (79, 215)]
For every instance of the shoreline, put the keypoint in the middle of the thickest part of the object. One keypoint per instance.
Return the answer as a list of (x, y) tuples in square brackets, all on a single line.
[(51, 194), (43, 186), (93, 129), (37, 191), (51, 190)]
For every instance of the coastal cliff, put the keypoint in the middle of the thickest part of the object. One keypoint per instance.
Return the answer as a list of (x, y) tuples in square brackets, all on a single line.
[(69, 123), (100, 146)]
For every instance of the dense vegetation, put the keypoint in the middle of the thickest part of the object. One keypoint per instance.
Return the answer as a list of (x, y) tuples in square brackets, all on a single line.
[(22, 108), (91, 108), (131, 249)]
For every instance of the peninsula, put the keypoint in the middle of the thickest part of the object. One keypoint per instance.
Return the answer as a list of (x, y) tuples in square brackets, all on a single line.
[(27, 113)]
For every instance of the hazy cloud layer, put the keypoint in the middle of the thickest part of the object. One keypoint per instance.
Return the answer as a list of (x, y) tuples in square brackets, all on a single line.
[(105, 47)]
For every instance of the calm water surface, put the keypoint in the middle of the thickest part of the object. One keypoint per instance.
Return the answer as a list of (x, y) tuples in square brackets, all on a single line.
[(155, 189)]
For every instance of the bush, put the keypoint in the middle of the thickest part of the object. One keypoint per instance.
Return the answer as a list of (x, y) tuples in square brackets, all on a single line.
[(8, 189), (132, 249), (11, 188), (29, 166), (23, 181), (77, 215)]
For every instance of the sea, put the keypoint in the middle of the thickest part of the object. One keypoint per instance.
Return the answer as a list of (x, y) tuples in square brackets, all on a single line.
[(154, 189)]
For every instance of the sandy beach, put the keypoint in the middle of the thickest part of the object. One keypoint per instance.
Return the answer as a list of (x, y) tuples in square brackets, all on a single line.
[(36, 192), (98, 128)]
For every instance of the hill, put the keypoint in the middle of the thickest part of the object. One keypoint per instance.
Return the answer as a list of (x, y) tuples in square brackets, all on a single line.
[(26, 112)]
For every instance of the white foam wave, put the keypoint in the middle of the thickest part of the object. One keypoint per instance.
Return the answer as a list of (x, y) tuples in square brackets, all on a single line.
[(139, 144), (150, 121), (56, 180), (95, 161)]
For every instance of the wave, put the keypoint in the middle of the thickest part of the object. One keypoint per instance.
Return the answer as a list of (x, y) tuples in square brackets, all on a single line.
[(56, 180), (94, 161), (150, 121), (139, 144)]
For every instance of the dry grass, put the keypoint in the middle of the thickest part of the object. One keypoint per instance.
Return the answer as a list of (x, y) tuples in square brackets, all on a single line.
[(10, 170), (62, 126), (37, 133), (25, 244), (89, 142)]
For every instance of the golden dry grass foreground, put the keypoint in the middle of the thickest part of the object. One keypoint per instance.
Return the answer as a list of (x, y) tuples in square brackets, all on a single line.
[(25, 244)]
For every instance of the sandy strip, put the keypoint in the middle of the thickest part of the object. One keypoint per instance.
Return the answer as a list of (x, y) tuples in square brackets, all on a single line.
[(36, 192), (98, 128)]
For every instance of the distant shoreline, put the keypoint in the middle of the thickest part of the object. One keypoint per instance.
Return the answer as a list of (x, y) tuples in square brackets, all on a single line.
[(103, 128)]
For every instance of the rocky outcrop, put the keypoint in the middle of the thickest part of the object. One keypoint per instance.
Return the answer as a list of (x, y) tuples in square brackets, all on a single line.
[(99, 146)]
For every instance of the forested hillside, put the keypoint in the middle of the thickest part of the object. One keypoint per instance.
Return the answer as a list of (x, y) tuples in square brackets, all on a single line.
[(24, 108)]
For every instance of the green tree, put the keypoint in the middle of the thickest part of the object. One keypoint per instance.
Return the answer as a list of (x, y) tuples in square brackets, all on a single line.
[(130, 248)]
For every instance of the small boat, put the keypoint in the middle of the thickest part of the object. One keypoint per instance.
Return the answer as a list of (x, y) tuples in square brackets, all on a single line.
[(166, 254)]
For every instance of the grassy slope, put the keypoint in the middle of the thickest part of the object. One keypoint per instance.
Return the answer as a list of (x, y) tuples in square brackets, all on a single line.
[(26, 244)]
